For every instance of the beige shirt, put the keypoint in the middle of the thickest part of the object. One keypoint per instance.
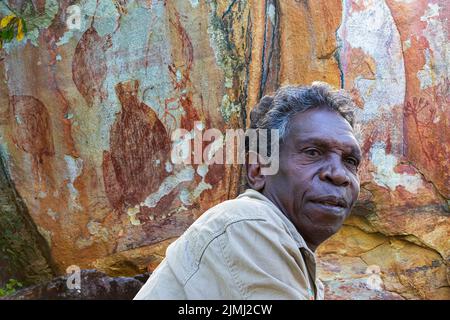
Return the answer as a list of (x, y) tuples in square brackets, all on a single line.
[(244, 248)]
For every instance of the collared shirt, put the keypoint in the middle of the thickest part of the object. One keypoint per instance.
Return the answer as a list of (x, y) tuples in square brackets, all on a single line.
[(244, 248)]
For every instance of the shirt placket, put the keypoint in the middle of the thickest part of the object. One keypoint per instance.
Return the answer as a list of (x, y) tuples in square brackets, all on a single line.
[(311, 267)]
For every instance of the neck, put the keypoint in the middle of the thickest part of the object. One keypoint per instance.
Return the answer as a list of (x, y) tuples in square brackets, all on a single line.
[(277, 203)]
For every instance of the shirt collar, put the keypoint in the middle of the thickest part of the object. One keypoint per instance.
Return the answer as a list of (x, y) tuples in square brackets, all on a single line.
[(253, 194)]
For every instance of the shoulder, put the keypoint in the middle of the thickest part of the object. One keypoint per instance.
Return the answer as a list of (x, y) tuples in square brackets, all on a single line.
[(240, 218), (219, 218), (236, 209)]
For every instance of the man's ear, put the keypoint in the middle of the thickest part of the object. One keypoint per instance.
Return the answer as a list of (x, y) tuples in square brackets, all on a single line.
[(255, 178)]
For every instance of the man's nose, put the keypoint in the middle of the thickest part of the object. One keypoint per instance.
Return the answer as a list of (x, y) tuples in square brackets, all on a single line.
[(335, 172)]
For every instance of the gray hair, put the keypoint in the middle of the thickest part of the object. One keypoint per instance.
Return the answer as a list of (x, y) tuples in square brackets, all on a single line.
[(276, 112)]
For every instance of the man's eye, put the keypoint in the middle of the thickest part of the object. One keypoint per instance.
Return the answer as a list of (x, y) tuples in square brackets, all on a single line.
[(352, 161), (312, 152)]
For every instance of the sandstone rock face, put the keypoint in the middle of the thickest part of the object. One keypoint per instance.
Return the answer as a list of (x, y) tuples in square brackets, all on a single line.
[(394, 59), (87, 115), (24, 254)]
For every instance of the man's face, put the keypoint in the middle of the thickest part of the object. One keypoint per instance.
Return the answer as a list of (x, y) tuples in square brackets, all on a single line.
[(317, 183)]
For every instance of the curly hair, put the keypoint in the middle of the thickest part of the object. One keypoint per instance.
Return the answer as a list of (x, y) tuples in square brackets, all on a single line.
[(276, 112)]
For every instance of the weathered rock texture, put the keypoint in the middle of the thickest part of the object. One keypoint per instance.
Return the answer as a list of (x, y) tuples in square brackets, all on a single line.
[(24, 254), (93, 285), (394, 58), (86, 118)]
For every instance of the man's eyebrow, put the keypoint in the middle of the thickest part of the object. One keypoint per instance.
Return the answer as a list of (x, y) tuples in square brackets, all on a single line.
[(354, 150)]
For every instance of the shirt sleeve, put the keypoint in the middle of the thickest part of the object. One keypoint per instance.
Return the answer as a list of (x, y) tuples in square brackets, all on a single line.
[(254, 260)]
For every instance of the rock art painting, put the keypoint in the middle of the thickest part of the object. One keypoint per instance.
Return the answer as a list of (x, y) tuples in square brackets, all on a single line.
[(140, 148), (32, 128), (89, 66)]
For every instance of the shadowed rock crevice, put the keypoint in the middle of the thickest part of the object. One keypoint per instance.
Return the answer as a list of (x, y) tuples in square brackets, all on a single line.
[(24, 254)]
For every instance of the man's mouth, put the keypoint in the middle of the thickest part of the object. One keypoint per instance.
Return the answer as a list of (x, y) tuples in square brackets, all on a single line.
[(331, 202)]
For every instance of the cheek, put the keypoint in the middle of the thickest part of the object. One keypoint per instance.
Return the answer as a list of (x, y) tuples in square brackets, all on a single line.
[(294, 178), (298, 170), (298, 180)]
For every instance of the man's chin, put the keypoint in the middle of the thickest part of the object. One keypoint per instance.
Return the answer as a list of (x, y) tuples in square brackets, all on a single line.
[(328, 231), (319, 233)]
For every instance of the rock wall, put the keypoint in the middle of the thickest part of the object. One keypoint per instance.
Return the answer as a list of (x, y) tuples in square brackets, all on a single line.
[(394, 58), (86, 117), (24, 253)]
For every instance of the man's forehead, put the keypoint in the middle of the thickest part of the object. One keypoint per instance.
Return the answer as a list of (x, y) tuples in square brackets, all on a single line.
[(320, 118), (341, 137)]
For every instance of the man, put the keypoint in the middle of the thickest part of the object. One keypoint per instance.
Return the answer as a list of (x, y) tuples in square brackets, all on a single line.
[(261, 244)]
